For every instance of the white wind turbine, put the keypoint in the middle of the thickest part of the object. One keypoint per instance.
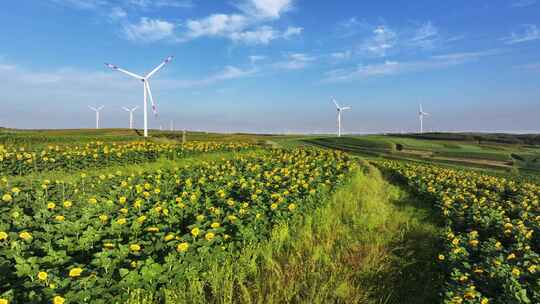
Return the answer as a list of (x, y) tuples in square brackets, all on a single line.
[(421, 115), (146, 85), (131, 115), (339, 110), (97, 114)]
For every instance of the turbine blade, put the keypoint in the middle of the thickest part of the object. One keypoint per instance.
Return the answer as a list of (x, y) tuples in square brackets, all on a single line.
[(154, 107), (99, 109), (92, 108), (116, 68), (135, 108), (126, 109), (335, 102), (346, 108), (167, 60)]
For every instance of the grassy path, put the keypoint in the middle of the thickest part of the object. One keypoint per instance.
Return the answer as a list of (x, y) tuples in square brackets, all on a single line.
[(370, 242)]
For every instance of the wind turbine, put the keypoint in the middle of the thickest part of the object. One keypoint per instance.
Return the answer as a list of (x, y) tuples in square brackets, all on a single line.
[(339, 110), (421, 115), (130, 115), (97, 114), (146, 85)]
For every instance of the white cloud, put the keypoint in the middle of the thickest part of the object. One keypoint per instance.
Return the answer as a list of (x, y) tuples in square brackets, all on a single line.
[(265, 8), (362, 71), (393, 67), (117, 13), (529, 67), (530, 32), (216, 25), (256, 58), (136, 4), (351, 27), (382, 40), (295, 61), (247, 27), (7, 67), (261, 35), (425, 36), (523, 3), (82, 4), (149, 30), (234, 27), (292, 31), (148, 4), (228, 73), (341, 55)]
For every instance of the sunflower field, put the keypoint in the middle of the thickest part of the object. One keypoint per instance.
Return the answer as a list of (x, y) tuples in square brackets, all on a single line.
[(20, 160), (94, 238), (491, 247)]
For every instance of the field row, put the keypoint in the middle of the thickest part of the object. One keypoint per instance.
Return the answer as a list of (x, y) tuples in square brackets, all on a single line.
[(97, 237), (491, 250), (15, 160)]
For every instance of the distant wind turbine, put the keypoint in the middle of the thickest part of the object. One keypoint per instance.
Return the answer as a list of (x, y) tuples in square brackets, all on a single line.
[(421, 115), (131, 115), (339, 110), (146, 85), (97, 114)]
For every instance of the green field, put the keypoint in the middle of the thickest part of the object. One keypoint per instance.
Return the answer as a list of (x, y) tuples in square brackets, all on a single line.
[(460, 152), (107, 216)]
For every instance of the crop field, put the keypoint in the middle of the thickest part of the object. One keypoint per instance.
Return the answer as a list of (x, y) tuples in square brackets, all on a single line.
[(20, 160), (491, 248), (95, 237), (265, 219), (489, 152)]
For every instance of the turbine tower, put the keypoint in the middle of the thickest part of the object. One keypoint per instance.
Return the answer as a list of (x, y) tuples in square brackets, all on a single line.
[(339, 110), (146, 87), (131, 115), (97, 114), (421, 115)]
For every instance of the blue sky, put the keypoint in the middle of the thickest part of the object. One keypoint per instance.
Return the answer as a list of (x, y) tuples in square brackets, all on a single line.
[(273, 65)]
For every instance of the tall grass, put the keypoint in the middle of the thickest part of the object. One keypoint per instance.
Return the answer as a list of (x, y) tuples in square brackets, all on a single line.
[(366, 243)]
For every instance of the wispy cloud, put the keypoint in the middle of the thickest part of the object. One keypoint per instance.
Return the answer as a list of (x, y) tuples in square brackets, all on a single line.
[(117, 13), (216, 25), (523, 3), (237, 28), (530, 32), (294, 61), (272, 9), (153, 4), (82, 4), (149, 30), (529, 67), (79, 84), (228, 73), (134, 4), (256, 58), (382, 40), (341, 55), (248, 26), (388, 68), (425, 37), (351, 27)]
